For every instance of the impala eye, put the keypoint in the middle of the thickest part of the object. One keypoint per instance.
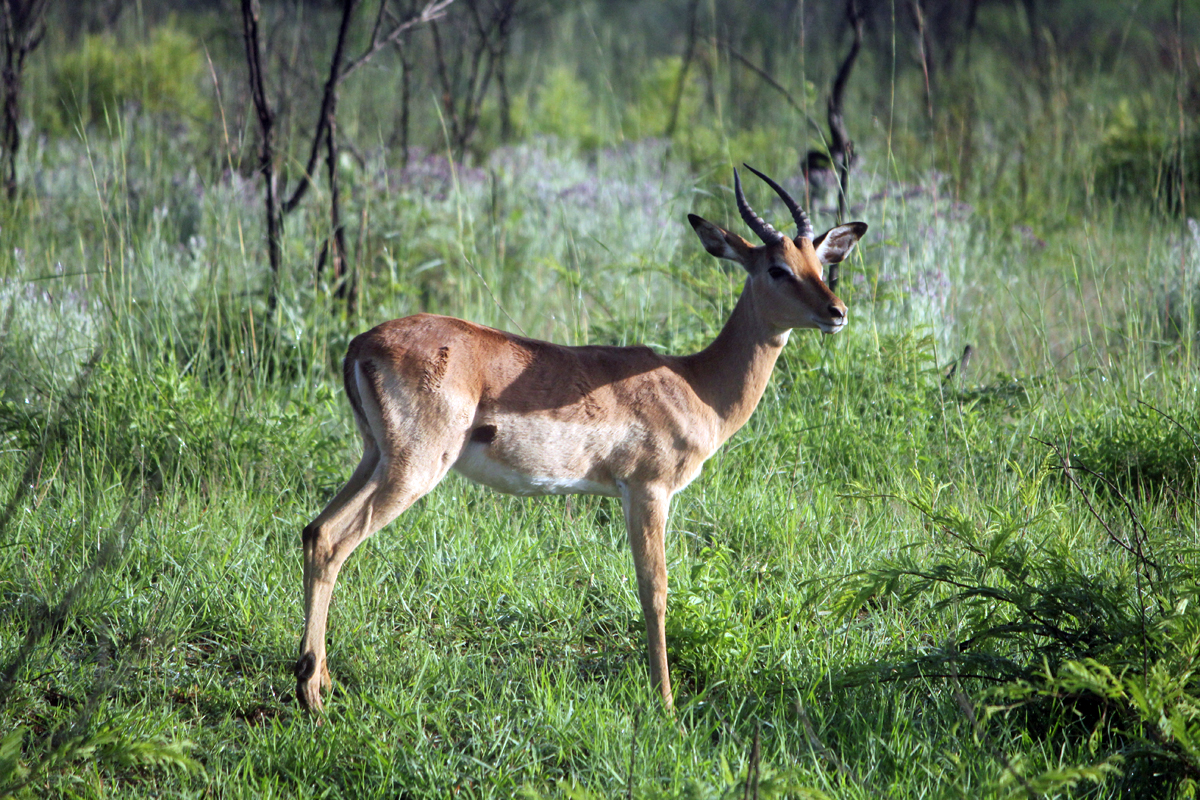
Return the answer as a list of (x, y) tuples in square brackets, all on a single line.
[(778, 272)]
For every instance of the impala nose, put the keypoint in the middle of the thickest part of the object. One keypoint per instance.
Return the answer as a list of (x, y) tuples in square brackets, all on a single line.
[(837, 312)]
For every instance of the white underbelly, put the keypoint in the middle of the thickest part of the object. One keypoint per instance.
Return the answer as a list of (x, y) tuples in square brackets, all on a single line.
[(475, 464)]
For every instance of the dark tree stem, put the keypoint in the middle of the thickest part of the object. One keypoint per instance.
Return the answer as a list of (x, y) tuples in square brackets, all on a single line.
[(23, 30), (324, 138), (464, 88), (923, 46), (841, 148), (688, 53), (405, 98), (266, 155), (328, 107)]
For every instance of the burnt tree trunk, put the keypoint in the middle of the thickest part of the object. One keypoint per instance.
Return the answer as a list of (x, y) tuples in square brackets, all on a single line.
[(266, 153), (324, 139), (405, 99), (841, 148), (326, 133), (23, 29), (337, 238), (480, 47)]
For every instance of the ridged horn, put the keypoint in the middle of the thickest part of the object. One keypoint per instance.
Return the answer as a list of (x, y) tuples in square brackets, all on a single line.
[(804, 228), (764, 231)]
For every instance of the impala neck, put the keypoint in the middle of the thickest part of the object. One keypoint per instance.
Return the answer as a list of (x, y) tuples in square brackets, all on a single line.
[(731, 374)]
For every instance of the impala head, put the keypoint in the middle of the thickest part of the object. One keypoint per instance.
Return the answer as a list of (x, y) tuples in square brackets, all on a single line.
[(786, 275)]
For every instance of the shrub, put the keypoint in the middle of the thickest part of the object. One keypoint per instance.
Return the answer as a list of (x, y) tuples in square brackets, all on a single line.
[(1138, 160), (1139, 449), (564, 108), (1103, 663), (163, 75)]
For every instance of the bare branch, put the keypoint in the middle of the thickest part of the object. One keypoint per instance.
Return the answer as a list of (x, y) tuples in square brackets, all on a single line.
[(328, 103), (338, 73), (266, 158), (774, 84), (841, 149), (433, 11)]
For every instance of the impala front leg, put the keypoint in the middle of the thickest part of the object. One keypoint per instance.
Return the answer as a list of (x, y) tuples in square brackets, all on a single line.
[(646, 521)]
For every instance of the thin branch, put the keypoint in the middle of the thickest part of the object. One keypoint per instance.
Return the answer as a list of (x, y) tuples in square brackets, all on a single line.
[(965, 706), (1135, 549), (433, 11), (776, 85), (266, 159), (841, 149), (328, 102), (1176, 422), (1140, 559)]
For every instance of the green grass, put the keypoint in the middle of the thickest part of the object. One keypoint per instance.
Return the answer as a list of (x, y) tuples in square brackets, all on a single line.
[(887, 578)]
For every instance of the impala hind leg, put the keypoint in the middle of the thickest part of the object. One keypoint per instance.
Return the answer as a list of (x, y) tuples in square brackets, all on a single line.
[(646, 510), (358, 481), (381, 488)]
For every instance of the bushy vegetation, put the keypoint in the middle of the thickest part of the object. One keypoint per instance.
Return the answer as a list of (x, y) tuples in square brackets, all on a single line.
[(894, 582), (99, 79)]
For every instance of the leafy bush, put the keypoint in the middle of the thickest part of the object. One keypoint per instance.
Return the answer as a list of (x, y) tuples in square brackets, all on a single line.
[(706, 617), (763, 781), (106, 746), (163, 75), (1140, 449), (1138, 160), (1102, 661), (565, 108)]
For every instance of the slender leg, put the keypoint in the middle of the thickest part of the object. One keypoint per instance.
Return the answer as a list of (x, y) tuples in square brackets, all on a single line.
[(392, 486), (358, 480), (646, 521)]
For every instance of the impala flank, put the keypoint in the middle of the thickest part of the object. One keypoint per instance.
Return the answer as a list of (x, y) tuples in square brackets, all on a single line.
[(526, 417)]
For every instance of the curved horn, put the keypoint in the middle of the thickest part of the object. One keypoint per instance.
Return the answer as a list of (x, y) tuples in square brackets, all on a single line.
[(765, 232), (803, 224)]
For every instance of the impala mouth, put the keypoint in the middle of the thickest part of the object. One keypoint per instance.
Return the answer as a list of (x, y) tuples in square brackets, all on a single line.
[(831, 327)]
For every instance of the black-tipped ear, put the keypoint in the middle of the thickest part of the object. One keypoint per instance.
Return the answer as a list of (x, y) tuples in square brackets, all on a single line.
[(835, 244), (720, 242)]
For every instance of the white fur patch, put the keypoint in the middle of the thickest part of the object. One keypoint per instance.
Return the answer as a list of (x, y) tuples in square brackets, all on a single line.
[(475, 464)]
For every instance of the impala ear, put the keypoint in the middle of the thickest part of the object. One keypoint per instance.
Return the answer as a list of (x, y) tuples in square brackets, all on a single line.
[(720, 242), (835, 244)]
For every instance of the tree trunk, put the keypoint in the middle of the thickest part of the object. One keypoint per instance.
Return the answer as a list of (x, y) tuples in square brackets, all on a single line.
[(841, 149), (266, 154), (22, 33)]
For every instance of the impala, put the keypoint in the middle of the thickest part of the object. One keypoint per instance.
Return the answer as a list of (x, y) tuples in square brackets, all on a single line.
[(526, 417)]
